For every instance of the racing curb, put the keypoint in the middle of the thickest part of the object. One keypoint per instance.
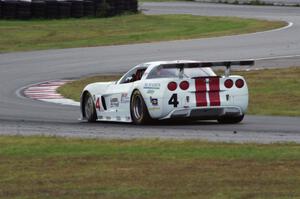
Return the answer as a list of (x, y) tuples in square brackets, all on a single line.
[(47, 92)]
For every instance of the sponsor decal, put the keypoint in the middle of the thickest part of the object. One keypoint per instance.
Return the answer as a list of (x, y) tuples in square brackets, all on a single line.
[(154, 109), (154, 101), (150, 91), (108, 117), (152, 86), (125, 98), (100, 117), (118, 118), (114, 102)]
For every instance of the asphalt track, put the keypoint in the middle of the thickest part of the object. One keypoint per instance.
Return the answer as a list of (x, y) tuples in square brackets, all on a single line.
[(277, 48)]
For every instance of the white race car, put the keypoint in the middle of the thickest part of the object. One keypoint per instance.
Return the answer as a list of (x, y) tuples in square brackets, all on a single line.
[(166, 90)]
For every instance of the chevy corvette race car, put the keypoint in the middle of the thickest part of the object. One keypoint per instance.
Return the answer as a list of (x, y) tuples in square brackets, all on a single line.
[(166, 90)]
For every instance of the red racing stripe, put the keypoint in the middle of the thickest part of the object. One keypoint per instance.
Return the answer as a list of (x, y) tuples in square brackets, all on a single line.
[(200, 85), (214, 92)]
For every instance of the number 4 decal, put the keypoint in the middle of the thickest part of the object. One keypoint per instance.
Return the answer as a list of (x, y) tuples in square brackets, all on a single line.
[(173, 100), (98, 104)]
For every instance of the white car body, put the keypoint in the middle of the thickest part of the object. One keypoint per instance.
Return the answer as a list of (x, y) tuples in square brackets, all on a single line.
[(206, 97)]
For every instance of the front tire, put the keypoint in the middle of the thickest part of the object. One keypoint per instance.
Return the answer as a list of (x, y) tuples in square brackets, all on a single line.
[(231, 120), (89, 108), (138, 109)]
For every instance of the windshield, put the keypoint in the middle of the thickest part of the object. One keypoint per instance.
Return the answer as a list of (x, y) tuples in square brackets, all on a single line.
[(161, 72)]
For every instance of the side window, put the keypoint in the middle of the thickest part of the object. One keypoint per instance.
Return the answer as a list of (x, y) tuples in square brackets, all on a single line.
[(133, 76), (139, 74)]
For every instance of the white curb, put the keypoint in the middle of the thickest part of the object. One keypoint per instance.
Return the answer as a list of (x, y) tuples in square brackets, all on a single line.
[(47, 92)]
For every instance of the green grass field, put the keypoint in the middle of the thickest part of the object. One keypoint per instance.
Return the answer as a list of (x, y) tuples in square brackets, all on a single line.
[(272, 92), (40, 167), (69, 33)]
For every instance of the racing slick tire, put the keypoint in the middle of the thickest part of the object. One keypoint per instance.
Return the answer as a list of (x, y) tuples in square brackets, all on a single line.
[(231, 120), (89, 108), (138, 109)]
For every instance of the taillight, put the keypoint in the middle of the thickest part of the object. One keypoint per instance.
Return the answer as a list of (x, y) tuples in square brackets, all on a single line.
[(172, 86), (184, 85), (228, 83), (239, 83)]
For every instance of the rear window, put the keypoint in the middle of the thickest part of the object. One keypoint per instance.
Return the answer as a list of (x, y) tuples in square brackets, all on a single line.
[(161, 72)]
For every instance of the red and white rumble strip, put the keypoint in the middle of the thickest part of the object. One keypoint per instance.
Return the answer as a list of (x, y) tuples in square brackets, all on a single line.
[(46, 91)]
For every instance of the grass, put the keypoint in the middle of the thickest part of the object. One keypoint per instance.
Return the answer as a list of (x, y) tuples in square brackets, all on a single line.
[(41, 167), (68, 33), (73, 89), (272, 91)]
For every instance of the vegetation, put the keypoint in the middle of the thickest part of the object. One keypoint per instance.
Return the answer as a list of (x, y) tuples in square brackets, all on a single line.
[(40, 167), (272, 91), (73, 89), (68, 33)]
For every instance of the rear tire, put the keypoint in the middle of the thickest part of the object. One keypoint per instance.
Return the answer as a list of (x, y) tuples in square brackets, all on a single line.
[(231, 120), (138, 109), (89, 108)]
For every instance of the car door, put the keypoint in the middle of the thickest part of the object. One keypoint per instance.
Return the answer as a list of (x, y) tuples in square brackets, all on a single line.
[(117, 99)]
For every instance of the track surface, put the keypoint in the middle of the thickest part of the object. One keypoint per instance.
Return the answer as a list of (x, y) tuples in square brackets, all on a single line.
[(21, 69)]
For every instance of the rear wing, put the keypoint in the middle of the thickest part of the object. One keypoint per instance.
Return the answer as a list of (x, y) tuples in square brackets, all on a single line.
[(226, 64)]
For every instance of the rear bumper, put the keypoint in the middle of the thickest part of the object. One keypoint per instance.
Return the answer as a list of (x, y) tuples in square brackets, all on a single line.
[(205, 113)]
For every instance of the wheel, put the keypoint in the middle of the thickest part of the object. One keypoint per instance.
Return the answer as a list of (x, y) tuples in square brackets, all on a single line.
[(89, 108), (231, 120), (138, 109)]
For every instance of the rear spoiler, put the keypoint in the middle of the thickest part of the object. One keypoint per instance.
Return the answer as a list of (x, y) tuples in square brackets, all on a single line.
[(226, 64)]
